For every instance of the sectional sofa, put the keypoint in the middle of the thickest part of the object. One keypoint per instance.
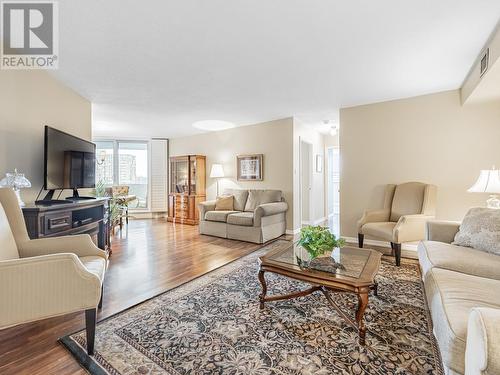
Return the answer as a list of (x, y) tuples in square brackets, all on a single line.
[(462, 287), (257, 216)]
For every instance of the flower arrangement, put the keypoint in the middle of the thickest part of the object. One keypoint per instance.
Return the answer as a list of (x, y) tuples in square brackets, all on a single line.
[(318, 240)]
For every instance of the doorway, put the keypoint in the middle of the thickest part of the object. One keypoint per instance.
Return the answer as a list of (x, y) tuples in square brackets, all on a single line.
[(306, 156), (333, 189)]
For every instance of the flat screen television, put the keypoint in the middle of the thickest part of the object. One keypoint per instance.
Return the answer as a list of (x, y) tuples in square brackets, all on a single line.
[(69, 162)]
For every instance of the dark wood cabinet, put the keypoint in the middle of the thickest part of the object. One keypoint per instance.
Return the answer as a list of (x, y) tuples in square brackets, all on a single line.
[(89, 216), (187, 188)]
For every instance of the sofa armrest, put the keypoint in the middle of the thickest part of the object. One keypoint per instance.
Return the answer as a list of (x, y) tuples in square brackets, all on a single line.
[(442, 231), (374, 216), (203, 207), (268, 209), (80, 244), (45, 286), (410, 228), (482, 354)]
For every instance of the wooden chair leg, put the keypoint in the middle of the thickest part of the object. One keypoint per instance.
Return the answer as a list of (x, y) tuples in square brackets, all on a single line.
[(90, 321), (100, 301), (392, 248), (397, 251), (361, 238), (126, 214)]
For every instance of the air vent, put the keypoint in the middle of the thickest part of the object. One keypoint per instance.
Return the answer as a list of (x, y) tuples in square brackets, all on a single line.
[(484, 61)]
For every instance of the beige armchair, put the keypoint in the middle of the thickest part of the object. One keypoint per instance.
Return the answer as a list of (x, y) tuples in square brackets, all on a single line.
[(407, 207), (47, 277)]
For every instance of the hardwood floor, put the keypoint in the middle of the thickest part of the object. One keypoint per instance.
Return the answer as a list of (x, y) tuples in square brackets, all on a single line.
[(151, 257)]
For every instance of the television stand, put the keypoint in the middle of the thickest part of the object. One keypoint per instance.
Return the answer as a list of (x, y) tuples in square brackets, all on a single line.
[(73, 217)]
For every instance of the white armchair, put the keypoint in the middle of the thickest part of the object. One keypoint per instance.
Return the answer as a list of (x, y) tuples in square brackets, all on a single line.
[(47, 277), (407, 208)]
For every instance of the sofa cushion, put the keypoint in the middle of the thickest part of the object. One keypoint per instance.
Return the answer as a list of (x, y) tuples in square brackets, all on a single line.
[(8, 247), (258, 197), (224, 203), (241, 218), (218, 215), (381, 230), (480, 229), (451, 295), (239, 198), (458, 258), (408, 200)]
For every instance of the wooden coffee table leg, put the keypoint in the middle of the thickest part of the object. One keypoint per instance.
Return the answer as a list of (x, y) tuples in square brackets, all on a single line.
[(362, 303), (262, 296)]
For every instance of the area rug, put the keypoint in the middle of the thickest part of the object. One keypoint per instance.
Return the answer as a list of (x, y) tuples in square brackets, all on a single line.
[(213, 325)]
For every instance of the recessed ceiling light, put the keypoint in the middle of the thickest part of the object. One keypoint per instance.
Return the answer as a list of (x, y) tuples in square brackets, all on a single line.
[(213, 125)]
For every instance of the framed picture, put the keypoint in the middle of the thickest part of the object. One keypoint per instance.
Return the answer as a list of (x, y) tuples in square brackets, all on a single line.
[(319, 163), (250, 167)]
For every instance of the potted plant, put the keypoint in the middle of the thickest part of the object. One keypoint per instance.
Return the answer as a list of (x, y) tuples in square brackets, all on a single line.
[(317, 241)]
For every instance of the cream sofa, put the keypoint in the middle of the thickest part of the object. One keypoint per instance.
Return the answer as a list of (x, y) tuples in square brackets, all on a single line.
[(462, 287), (258, 216)]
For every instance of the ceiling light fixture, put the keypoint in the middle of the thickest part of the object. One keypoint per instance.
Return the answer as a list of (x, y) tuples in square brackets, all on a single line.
[(333, 129), (213, 125)]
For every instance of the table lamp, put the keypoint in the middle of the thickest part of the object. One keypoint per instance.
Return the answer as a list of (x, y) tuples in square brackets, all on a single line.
[(16, 181), (488, 182), (217, 172)]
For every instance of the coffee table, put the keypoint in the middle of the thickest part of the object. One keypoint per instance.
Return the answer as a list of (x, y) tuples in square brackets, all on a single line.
[(358, 277)]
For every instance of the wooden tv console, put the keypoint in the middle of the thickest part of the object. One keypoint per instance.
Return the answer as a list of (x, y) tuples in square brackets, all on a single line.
[(88, 216)]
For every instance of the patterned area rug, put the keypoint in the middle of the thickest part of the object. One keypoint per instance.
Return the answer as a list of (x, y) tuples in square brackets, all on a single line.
[(213, 325)]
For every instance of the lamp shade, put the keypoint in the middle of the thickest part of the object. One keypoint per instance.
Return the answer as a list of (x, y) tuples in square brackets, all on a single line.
[(487, 182), (216, 171)]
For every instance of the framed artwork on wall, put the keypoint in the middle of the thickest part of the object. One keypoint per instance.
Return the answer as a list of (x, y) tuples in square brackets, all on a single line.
[(319, 163), (250, 167)]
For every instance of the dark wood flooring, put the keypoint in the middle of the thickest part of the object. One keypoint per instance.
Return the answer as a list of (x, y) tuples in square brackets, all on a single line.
[(151, 257)]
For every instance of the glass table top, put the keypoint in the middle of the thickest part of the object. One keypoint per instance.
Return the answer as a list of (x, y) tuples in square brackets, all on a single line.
[(352, 260)]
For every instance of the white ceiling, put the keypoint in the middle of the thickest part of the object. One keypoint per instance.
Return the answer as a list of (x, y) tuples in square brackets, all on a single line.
[(152, 68)]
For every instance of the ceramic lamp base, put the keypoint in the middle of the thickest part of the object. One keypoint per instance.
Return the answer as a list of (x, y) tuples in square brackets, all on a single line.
[(493, 202), (18, 194)]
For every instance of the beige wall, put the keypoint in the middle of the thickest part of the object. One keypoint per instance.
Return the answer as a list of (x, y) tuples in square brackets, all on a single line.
[(28, 101), (430, 138), (273, 139)]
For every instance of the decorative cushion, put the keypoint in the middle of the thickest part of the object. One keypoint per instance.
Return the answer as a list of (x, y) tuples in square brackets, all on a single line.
[(239, 198), (8, 247), (224, 203), (218, 215), (480, 230), (408, 200), (241, 218), (258, 197)]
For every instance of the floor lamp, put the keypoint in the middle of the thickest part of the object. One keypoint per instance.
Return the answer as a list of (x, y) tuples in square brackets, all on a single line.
[(217, 172)]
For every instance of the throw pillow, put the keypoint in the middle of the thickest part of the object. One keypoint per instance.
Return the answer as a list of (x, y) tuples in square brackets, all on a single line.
[(480, 230), (224, 203)]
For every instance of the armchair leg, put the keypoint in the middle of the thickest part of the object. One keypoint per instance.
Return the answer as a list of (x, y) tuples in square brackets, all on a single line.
[(361, 238), (90, 320), (392, 248), (397, 251), (102, 293)]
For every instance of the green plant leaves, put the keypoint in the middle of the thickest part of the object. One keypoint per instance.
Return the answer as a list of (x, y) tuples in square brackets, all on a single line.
[(318, 240)]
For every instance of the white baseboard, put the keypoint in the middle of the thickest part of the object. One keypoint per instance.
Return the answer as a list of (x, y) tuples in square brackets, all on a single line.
[(292, 231)]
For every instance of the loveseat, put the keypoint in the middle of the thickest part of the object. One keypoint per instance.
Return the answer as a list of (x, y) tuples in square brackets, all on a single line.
[(256, 216), (462, 287)]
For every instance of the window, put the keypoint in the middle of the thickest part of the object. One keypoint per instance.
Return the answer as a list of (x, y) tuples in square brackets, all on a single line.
[(124, 163)]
